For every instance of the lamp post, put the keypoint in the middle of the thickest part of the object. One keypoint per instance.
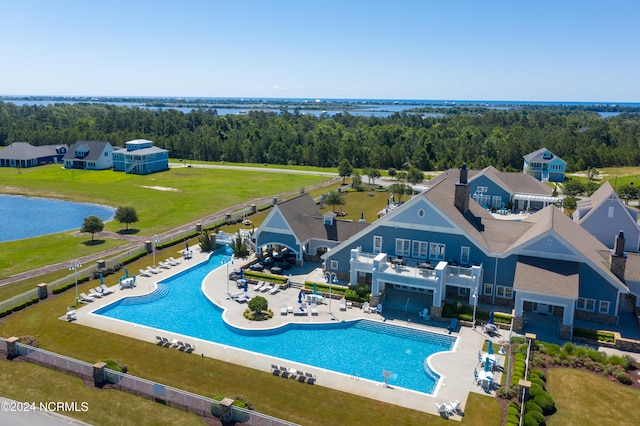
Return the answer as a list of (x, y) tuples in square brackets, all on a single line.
[(75, 264), (475, 304), (155, 242), (330, 277)]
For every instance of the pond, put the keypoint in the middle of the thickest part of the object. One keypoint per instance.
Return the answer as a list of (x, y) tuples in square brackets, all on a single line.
[(28, 217)]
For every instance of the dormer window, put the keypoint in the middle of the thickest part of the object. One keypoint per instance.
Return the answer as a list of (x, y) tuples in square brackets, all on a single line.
[(328, 219)]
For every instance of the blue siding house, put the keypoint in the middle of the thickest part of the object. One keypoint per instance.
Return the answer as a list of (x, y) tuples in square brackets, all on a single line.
[(140, 157), (441, 246), (603, 215), (544, 166), (22, 154), (493, 189)]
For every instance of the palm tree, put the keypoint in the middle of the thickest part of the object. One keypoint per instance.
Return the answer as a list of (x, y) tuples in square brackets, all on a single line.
[(334, 198)]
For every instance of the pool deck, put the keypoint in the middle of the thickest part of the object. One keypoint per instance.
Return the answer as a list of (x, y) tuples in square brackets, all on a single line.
[(455, 368)]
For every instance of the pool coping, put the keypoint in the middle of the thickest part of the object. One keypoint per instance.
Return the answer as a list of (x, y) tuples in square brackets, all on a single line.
[(455, 367)]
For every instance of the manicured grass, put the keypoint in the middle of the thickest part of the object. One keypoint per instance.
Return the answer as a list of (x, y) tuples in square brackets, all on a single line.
[(188, 194), (584, 398), (309, 405), (356, 203), (32, 383)]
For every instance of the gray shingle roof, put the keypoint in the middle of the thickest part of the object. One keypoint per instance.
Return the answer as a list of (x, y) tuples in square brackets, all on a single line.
[(547, 276), (26, 151), (96, 148), (307, 221)]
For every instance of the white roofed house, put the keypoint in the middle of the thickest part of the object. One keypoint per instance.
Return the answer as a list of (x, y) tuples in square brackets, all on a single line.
[(140, 157), (89, 155)]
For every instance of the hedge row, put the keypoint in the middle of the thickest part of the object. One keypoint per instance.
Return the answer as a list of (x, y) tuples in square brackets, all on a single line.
[(261, 276), (19, 307)]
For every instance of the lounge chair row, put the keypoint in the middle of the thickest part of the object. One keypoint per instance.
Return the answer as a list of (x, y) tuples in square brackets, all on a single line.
[(168, 263), (95, 293), (292, 373), (263, 287), (302, 310), (186, 347)]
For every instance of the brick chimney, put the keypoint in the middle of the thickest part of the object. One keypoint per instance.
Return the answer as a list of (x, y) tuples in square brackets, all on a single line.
[(461, 199), (617, 257)]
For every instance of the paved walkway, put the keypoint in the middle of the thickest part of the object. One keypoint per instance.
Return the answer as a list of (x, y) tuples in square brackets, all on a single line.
[(456, 367)]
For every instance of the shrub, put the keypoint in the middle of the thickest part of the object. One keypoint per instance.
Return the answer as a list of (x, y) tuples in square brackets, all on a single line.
[(622, 361), (552, 349), (29, 340), (513, 419), (623, 377), (537, 381), (544, 400), (515, 405), (530, 406), (535, 372), (533, 419), (513, 411), (568, 348), (596, 356)]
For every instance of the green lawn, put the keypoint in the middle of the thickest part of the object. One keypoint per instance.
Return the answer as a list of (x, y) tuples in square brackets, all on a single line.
[(268, 394), (163, 201), (584, 398)]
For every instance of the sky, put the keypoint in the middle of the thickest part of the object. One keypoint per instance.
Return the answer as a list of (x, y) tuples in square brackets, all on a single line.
[(561, 50)]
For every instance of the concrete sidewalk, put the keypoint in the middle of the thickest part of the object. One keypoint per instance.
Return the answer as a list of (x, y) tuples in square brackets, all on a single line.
[(455, 367)]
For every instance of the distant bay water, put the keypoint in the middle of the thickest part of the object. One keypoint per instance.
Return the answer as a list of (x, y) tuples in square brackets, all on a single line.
[(317, 107), (28, 217)]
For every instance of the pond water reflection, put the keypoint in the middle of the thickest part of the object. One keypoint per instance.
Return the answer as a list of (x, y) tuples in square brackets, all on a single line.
[(27, 217)]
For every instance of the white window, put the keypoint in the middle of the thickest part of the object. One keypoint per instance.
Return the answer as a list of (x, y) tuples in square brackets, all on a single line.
[(420, 249), (610, 212), (504, 292), (436, 251), (403, 247), (585, 304), (488, 289), (604, 307), (462, 292), (496, 202), (482, 189), (334, 265), (464, 255), (377, 244)]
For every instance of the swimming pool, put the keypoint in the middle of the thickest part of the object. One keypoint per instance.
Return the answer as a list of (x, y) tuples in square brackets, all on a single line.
[(359, 348)]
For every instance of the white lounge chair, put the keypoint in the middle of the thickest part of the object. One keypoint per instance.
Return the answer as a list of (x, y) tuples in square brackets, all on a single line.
[(93, 293), (314, 309), (170, 262), (265, 288), (153, 270), (343, 304), (258, 286), (178, 261), (283, 309), (457, 406), (189, 347), (145, 273), (366, 307), (275, 289), (71, 314), (164, 265), (444, 409), (86, 298), (106, 290)]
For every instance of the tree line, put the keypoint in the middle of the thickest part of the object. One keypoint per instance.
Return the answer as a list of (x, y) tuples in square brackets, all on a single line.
[(477, 136)]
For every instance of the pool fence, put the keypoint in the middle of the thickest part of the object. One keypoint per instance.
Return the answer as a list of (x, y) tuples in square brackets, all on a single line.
[(166, 395)]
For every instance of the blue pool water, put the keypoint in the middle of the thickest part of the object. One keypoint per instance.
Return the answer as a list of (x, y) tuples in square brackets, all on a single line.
[(362, 348), (28, 217)]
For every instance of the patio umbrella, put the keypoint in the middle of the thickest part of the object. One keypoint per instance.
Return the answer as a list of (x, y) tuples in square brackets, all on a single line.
[(300, 297), (241, 272), (186, 247), (101, 279), (126, 272), (491, 317), (487, 366), (314, 288), (246, 287), (490, 348)]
